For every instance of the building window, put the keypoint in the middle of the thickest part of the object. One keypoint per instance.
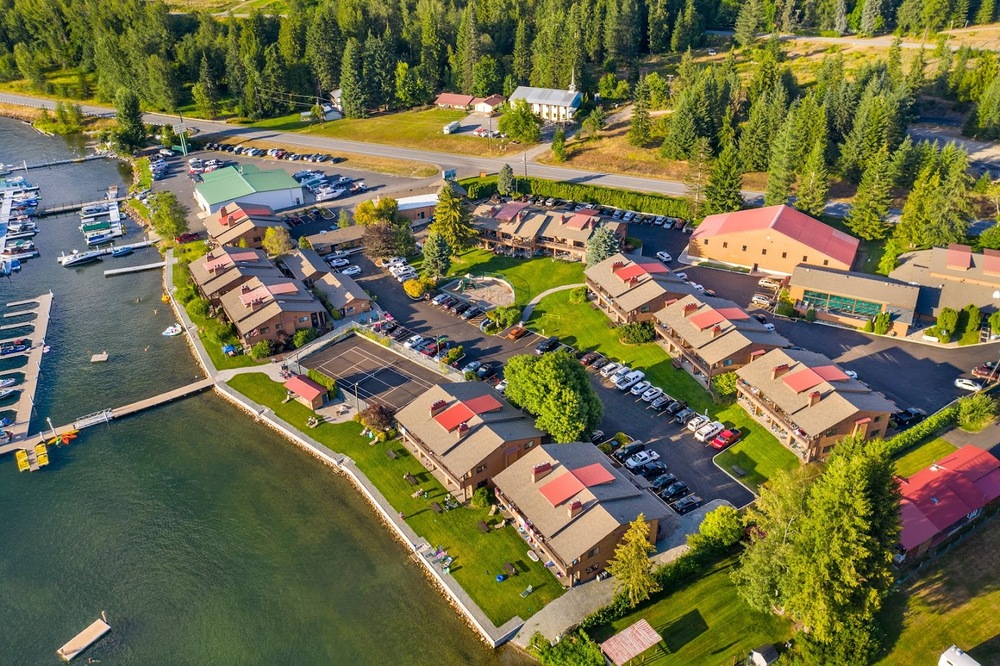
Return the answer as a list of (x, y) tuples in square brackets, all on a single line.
[(764, 251), (644, 308), (728, 361), (826, 262), (805, 258), (744, 248), (784, 255), (594, 551), (481, 469), (878, 418), (349, 310), (830, 433), (277, 326), (304, 319), (855, 306), (256, 239), (264, 330), (528, 445), (706, 243), (724, 244)]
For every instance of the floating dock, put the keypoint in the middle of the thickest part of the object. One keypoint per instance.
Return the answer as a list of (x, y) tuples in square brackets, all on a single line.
[(84, 639), (133, 269), (70, 207)]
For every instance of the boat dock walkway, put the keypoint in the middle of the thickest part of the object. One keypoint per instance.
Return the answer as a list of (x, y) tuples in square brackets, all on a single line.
[(26, 397), (70, 207), (133, 269), (84, 639), (24, 166)]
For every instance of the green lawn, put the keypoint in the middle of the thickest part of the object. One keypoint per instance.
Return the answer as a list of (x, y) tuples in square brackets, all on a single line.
[(917, 459), (530, 277), (587, 328), (478, 557), (185, 254), (869, 252), (954, 599), (705, 623)]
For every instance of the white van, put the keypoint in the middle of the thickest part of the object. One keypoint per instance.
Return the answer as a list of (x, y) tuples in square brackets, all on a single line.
[(452, 127), (707, 432), (619, 373)]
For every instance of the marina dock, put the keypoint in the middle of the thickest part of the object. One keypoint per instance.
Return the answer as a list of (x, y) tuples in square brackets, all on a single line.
[(42, 165), (84, 639), (133, 269), (69, 208)]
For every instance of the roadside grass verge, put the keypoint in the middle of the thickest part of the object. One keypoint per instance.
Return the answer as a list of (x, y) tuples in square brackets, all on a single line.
[(705, 622), (478, 557), (529, 277), (181, 278), (585, 327), (923, 456)]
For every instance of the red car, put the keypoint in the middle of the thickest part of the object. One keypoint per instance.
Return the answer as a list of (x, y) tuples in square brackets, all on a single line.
[(187, 238), (987, 371), (726, 438)]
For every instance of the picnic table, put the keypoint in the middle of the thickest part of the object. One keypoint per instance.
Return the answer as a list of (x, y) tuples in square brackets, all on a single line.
[(510, 568), (412, 480), (390, 454), (483, 527), (437, 507)]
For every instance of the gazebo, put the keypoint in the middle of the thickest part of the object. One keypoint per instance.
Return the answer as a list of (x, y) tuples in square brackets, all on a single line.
[(309, 393), (631, 642)]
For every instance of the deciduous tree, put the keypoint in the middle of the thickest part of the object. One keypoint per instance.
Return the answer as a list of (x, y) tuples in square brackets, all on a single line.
[(556, 389), (520, 123), (168, 216), (277, 241), (131, 134), (376, 211)]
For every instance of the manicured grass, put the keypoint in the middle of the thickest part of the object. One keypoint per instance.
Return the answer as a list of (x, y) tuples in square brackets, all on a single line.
[(585, 327), (478, 557), (530, 277), (704, 623), (143, 174), (951, 600), (185, 254), (923, 456), (412, 129)]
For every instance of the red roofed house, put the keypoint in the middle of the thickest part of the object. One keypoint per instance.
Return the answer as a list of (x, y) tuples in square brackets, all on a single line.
[(465, 434), (942, 498), (272, 309), (573, 507), (225, 268), (489, 104), (306, 391), (630, 288), (454, 101), (774, 239), (236, 222), (516, 228)]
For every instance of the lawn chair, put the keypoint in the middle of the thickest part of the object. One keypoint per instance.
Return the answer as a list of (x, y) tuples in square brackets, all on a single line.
[(510, 568), (437, 507), (528, 590), (483, 527), (390, 454)]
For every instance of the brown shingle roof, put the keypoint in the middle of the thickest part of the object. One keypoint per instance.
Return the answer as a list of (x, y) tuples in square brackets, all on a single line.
[(900, 298), (340, 290), (641, 287), (305, 264), (276, 295)]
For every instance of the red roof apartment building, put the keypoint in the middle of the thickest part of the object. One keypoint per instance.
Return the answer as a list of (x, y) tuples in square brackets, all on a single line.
[(939, 500), (631, 288), (774, 239), (237, 221)]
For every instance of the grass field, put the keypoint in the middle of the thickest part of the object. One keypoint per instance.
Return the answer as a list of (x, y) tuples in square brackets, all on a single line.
[(478, 557), (705, 623), (530, 277), (955, 599), (587, 328), (923, 456)]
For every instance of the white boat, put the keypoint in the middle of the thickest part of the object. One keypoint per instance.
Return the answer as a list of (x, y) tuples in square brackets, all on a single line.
[(171, 331), (76, 258), (95, 208), (5, 392), (9, 381)]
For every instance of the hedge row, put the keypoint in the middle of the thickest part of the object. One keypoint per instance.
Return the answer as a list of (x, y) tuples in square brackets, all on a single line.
[(482, 188), (323, 380), (924, 429)]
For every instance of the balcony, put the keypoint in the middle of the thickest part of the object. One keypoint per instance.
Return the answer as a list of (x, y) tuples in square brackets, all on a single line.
[(776, 421)]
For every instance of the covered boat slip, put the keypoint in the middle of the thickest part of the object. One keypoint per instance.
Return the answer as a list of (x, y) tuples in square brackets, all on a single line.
[(83, 640)]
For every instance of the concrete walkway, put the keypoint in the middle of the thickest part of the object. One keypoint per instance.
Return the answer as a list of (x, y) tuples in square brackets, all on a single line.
[(530, 307)]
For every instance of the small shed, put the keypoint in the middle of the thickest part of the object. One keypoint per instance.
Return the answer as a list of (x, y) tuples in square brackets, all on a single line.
[(309, 393), (765, 655), (630, 642), (489, 104)]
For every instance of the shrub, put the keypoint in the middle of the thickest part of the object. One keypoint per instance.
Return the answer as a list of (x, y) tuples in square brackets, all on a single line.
[(869, 326), (947, 324), (378, 417), (198, 307), (453, 355), (637, 333), (578, 295), (924, 429), (724, 386), (322, 380), (262, 349), (220, 332), (482, 498), (471, 376), (810, 315), (784, 310), (417, 288), (882, 322), (976, 411), (622, 438), (576, 648), (720, 529), (303, 337), (506, 316), (185, 294), (604, 448)]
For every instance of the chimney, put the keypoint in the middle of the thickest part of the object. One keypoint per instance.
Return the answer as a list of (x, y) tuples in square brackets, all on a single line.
[(814, 398), (754, 355), (618, 264), (716, 331), (539, 471), (229, 220), (462, 429), (574, 508), (779, 370), (244, 288), (437, 407), (633, 281), (690, 309)]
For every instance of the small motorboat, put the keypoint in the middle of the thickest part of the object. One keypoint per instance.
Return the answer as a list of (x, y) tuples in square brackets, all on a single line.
[(6, 421), (12, 349), (4, 383), (122, 251), (171, 331), (5, 392)]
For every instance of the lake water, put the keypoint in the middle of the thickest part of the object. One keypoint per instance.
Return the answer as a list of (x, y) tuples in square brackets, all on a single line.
[(207, 538)]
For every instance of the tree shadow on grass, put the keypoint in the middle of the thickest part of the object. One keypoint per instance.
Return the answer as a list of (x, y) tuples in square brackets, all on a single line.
[(683, 630), (987, 652)]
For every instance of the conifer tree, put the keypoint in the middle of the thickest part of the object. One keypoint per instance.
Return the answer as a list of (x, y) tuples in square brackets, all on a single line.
[(870, 208), (696, 178), (354, 93), (640, 125), (631, 567), (723, 193), (505, 180), (451, 220), (781, 171), (814, 183)]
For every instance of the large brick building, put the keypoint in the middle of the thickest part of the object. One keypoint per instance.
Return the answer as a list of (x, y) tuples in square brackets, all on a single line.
[(517, 228), (226, 268), (630, 288), (808, 403), (774, 239)]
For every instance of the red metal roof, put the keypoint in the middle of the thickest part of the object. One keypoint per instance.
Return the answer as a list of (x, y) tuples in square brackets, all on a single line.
[(303, 386), (453, 99), (936, 498), (802, 380), (789, 222), (581, 219), (483, 404), (733, 314), (593, 475), (561, 489), (635, 269), (508, 212), (630, 642), (991, 262), (830, 373), (703, 320), (959, 257), (450, 418)]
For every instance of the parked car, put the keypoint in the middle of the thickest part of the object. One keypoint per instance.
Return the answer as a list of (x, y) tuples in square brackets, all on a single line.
[(401, 334), (641, 458), (628, 451), (600, 363), (640, 388), (650, 394), (609, 368), (707, 432), (486, 370), (501, 386), (768, 283), (676, 407), (967, 384), (987, 370), (471, 366), (628, 381), (351, 271), (685, 415), (547, 345), (439, 299), (460, 308), (187, 237), (910, 416), (653, 469), (472, 312), (413, 342), (337, 263), (695, 424), (675, 491), (663, 481), (762, 301), (664, 256), (485, 324), (517, 332), (727, 437), (597, 436), (660, 401), (588, 358), (686, 504)]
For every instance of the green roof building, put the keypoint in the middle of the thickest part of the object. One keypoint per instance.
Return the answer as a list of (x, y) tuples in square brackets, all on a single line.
[(247, 184)]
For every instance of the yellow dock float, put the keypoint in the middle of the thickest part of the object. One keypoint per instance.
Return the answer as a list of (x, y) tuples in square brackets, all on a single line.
[(42, 453), (84, 639), (22, 460)]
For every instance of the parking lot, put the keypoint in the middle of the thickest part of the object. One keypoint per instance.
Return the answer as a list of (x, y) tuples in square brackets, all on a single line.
[(364, 369)]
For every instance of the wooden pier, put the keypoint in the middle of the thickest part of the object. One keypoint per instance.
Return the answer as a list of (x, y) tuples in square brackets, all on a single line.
[(133, 269), (24, 166), (70, 207), (84, 639)]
